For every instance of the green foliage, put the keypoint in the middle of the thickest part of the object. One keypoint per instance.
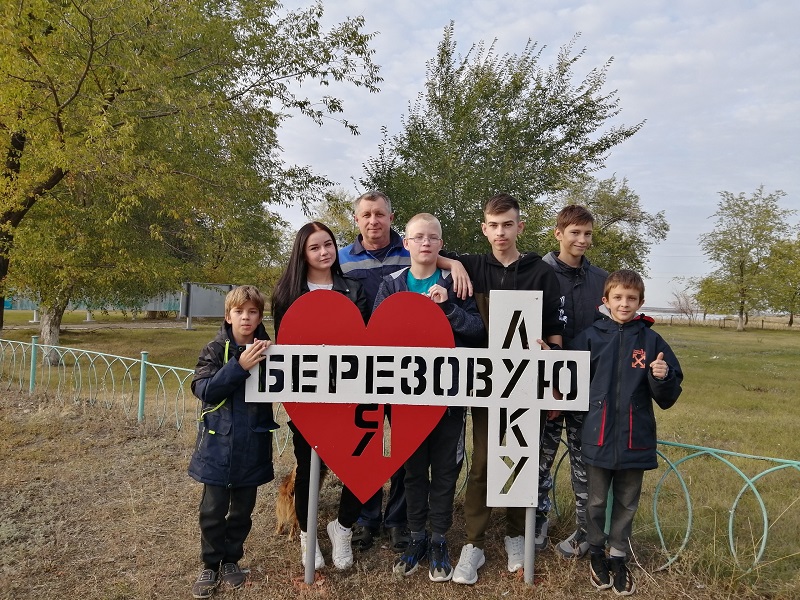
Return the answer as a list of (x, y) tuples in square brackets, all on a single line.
[(744, 234), (166, 109), (487, 123), (336, 211), (716, 295), (623, 232), (783, 271)]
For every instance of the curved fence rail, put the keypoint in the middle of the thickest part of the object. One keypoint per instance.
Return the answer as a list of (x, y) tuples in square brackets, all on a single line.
[(695, 484), (137, 386)]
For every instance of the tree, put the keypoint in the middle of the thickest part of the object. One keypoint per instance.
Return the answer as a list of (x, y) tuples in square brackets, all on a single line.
[(487, 123), (69, 250), (715, 295), (152, 97), (684, 301), (782, 285), (336, 211), (623, 232), (744, 233)]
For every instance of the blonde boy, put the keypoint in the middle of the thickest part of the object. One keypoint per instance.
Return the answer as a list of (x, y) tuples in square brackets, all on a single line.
[(432, 471)]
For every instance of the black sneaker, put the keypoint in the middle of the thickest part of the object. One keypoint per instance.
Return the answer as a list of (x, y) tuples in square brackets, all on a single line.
[(601, 578), (400, 538), (363, 537), (624, 585), (206, 583), (409, 560), (440, 568), (233, 576)]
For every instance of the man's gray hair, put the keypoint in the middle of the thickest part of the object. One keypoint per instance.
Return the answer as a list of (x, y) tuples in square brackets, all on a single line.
[(373, 195)]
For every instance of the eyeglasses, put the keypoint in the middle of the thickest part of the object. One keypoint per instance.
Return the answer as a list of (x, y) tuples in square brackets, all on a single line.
[(419, 239)]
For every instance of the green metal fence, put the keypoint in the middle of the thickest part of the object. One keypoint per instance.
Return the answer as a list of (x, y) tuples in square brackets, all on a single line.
[(754, 493), (137, 386)]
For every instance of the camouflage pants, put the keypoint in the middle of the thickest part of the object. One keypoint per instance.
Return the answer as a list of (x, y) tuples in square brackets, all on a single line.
[(548, 450)]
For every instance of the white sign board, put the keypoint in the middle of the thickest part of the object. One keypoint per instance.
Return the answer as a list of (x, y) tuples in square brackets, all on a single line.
[(514, 378)]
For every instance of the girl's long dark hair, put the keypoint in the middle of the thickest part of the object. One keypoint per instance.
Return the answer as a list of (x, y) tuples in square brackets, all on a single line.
[(291, 284)]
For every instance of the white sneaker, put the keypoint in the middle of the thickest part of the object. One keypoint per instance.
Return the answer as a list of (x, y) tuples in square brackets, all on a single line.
[(515, 548), (469, 562), (342, 552), (319, 560)]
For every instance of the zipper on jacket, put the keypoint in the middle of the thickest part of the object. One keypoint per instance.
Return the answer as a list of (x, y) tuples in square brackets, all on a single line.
[(618, 417)]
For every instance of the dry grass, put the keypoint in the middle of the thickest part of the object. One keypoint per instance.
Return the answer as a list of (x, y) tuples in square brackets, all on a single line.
[(94, 507)]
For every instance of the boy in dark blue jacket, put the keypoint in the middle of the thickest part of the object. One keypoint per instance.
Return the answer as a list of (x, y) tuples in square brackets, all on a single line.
[(432, 471), (233, 453), (631, 365)]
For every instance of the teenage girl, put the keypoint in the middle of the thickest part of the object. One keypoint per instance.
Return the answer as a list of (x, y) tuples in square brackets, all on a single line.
[(314, 265)]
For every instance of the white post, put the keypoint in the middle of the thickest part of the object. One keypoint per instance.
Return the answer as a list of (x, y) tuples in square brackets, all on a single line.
[(313, 510)]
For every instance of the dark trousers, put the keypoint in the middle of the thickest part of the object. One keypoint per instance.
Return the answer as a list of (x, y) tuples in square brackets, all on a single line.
[(627, 487), (432, 472), (225, 522), (349, 505), (395, 515)]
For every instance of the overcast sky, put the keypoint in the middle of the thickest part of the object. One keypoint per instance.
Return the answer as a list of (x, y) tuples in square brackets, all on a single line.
[(718, 82)]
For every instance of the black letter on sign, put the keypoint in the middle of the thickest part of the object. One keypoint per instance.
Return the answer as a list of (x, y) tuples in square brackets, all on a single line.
[(573, 377), (362, 423), (505, 422), (277, 385), (517, 322)]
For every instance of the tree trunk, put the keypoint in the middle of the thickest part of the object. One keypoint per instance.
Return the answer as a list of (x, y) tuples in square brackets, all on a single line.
[(791, 318), (740, 324), (51, 329), (3, 273)]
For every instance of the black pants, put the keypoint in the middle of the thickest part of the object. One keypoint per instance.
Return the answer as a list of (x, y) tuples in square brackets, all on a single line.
[(225, 522), (349, 505), (432, 472)]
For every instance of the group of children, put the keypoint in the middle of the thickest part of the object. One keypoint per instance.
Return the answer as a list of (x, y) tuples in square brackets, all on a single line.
[(583, 309)]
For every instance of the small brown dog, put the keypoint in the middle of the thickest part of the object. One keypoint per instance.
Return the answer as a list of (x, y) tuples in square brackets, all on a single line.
[(285, 514)]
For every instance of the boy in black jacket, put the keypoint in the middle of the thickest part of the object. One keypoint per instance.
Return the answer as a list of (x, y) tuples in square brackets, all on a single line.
[(432, 470), (631, 365), (233, 453), (504, 268)]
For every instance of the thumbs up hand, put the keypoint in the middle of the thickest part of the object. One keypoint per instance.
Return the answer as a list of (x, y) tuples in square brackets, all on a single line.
[(659, 367)]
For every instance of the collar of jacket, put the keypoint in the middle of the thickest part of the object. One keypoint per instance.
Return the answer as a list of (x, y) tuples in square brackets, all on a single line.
[(640, 318), (395, 241)]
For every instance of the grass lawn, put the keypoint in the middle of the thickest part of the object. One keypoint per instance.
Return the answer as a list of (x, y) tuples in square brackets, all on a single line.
[(95, 506)]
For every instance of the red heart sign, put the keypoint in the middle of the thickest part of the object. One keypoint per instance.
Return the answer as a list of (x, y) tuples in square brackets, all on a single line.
[(355, 453)]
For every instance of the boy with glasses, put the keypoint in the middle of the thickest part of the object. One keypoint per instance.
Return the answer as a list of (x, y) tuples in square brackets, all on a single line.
[(432, 471)]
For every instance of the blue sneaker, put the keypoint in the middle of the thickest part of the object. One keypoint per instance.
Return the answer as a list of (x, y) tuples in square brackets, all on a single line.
[(408, 561), (440, 568)]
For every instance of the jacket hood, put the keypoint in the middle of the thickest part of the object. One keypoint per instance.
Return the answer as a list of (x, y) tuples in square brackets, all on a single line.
[(551, 258)]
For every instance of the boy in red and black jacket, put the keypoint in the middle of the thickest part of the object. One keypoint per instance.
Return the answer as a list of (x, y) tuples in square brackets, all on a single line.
[(631, 366)]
